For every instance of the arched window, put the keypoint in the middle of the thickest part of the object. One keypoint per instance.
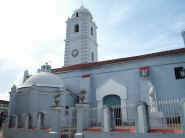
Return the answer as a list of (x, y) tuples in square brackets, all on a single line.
[(77, 14), (92, 56), (76, 29), (91, 31)]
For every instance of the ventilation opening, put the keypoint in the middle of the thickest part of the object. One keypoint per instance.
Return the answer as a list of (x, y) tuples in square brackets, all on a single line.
[(92, 56), (77, 14), (91, 31), (76, 29)]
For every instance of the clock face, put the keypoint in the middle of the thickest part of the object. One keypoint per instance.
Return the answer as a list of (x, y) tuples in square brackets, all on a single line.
[(75, 53)]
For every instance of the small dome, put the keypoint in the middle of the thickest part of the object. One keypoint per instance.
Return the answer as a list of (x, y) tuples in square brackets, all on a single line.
[(44, 79), (82, 10)]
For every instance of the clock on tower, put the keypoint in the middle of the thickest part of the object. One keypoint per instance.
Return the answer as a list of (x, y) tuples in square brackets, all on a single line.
[(75, 53)]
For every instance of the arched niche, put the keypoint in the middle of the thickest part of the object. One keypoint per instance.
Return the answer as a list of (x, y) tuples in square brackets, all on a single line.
[(112, 87)]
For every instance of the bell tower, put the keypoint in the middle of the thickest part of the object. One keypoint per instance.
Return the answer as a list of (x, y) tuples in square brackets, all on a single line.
[(81, 38)]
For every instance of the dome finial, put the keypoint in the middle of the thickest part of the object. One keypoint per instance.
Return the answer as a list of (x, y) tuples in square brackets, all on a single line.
[(45, 68)]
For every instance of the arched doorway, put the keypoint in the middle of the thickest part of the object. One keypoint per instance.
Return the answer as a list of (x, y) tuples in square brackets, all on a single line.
[(114, 102)]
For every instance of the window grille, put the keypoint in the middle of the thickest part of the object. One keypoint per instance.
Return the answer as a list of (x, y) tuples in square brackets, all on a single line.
[(179, 73)]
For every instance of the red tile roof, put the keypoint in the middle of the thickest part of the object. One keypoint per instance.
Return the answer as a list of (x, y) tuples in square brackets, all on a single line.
[(4, 102), (93, 64)]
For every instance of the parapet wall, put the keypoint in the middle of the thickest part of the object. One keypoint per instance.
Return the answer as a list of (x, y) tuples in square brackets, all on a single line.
[(17, 133), (129, 135)]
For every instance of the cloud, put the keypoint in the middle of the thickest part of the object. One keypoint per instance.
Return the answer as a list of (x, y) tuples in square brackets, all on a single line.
[(4, 96), (119, 14), (32, 33), (179, 26)]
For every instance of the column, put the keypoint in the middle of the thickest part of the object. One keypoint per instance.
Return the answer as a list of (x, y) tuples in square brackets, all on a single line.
[(183, 123), (124, 110), (107, 125), (55, 114), (16, 121), (82, 118), (26, 120), (9, 121), (142, 124), (34, 119), (39, 121), (100, 113), (85, 84)]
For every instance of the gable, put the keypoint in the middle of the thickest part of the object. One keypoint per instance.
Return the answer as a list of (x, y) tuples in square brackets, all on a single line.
[(111, 87)]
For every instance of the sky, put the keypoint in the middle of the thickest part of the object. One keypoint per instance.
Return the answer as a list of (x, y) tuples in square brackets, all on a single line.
[(32, 32)]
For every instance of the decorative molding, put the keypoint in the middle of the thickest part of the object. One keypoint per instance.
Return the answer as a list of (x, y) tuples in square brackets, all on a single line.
[(144, 68), (111, 87), (86, 76)]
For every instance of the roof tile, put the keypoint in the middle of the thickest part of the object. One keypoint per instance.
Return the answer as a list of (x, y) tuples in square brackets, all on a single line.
[(93, 64)]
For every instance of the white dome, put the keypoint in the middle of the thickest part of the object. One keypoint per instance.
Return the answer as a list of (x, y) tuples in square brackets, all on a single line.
[(83, 11), (44, 79)]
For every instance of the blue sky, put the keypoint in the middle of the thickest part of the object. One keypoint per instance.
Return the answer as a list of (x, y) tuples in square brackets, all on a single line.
[(33, 32)]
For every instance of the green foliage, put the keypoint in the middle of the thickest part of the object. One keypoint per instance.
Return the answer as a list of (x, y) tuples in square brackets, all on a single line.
[(57, 98), (83, 91), (58, 95)]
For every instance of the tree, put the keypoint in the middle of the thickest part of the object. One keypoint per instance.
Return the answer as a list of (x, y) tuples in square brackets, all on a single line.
[(82, 95), (57, 99)]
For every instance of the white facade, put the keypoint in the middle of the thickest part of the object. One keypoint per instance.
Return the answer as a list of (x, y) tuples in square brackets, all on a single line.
[(81, 38)]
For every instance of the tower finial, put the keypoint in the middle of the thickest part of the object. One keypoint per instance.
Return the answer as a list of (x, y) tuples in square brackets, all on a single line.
[(82, 3)]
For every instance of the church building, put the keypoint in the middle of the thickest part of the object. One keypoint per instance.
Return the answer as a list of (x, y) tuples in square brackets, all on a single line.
[(84, 81)]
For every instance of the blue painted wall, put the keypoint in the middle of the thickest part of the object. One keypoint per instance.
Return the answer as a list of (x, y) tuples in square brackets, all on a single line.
[(162, 76)]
